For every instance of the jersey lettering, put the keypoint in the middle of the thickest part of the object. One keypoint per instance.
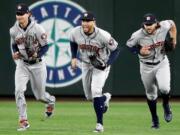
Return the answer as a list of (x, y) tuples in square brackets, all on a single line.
[(156, 45), (90, 48)]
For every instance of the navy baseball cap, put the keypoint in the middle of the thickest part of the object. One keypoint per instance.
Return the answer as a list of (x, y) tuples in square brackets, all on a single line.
[(87, 16), (22, 9), (149, 19)]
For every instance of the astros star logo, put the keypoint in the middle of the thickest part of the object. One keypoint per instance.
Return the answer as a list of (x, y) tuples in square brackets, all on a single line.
[(19, 7)]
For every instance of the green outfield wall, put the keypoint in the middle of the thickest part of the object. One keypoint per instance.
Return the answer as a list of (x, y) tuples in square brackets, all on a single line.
[(120, 18)]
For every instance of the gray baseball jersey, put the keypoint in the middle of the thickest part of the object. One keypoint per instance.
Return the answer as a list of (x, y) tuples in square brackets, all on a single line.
[(28, 42), (154, 68), (155, 41), (99, 43)]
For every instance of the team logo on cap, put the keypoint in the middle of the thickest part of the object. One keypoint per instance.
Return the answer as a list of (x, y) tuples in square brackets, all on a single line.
[(86, 15), (19, 7), (58, 17), (148, 18)]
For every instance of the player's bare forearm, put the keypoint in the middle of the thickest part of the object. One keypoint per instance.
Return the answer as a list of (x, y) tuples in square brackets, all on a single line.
[(173, 34), (74, 63), (145, 50)]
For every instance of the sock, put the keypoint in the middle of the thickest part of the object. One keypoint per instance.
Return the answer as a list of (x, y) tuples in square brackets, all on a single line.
[(104, 99), (152, 108), (165, 98), (99, 107), (165, 102)]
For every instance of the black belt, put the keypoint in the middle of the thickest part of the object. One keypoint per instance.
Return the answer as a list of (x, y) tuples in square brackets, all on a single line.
[(31, 62), (151, 63)]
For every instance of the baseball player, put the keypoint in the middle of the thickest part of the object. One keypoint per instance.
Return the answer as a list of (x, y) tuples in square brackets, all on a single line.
[(148, 42), (98, 50), (29, 44)]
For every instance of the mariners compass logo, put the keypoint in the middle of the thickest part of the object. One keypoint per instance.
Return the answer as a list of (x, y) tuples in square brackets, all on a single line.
[(58, 17)]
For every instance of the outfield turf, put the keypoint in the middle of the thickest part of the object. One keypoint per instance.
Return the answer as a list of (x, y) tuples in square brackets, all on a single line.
[(78, 118)]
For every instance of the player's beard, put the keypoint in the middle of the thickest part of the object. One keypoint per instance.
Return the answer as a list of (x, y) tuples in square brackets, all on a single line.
[(88, 30), (150, 30), (23, 23)]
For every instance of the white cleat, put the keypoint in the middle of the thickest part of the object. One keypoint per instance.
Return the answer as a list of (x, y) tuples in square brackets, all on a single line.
[(106, 102), (99, 128), (23, 125)]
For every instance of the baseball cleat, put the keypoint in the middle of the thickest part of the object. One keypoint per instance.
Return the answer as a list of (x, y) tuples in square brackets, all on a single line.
[(167, 112), (49, 110), (99, 128), (155, 123), (23, 125), (106, 102), (155, 126), (50, 107)]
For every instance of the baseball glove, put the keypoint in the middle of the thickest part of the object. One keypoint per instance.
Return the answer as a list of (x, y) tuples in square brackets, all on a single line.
[(168, 43), (97, 63)]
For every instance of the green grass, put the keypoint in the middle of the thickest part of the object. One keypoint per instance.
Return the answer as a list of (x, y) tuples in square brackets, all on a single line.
[(78, 118)]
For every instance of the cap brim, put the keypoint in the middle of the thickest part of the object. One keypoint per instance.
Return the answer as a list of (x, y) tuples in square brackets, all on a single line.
[(21, 12), (150, 22), (87, 19)]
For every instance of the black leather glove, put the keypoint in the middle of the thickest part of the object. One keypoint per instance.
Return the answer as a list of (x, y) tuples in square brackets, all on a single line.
[(168, 43), (97, 63)]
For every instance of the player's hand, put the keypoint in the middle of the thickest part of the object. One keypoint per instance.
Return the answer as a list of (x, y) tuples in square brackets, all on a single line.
[(34, 56), (145, 50), (16, 55), (74, 63)]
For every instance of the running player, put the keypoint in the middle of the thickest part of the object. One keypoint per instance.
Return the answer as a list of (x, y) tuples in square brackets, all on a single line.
[(29, 44), (148, 43), (92, 41)]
